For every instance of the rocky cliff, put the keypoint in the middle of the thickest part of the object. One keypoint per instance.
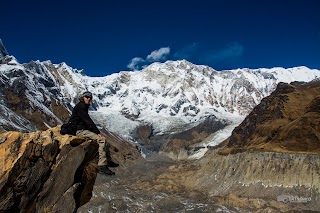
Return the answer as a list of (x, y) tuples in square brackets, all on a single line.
[(44, 171)]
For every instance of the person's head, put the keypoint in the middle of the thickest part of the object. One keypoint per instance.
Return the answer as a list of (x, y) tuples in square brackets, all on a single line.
[(86, 97)]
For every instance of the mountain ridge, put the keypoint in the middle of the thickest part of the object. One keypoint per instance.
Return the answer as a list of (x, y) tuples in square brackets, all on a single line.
[(170, 97)]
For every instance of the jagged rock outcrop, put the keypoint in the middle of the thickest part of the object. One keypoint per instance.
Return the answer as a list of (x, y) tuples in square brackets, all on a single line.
[(44, 171)]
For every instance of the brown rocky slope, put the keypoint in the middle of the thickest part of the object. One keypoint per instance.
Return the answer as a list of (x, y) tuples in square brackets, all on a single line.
[(286, 121)]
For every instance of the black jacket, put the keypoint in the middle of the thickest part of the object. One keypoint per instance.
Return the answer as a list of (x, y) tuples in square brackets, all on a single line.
[(80, 117)]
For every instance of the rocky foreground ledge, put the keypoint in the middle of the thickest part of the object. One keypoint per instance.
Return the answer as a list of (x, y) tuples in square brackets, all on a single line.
[(44, 171)]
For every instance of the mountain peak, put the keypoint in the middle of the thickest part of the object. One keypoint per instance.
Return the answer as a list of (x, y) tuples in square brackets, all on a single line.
[(178, 67)]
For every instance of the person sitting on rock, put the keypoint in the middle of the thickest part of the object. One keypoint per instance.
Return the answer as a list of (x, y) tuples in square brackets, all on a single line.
[(87, 128)]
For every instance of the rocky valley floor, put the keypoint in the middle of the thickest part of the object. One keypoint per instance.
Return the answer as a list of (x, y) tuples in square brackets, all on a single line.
[(160, 186), (132, 190)]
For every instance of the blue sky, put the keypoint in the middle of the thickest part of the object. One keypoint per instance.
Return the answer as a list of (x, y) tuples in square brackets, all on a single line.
[(107, 36)]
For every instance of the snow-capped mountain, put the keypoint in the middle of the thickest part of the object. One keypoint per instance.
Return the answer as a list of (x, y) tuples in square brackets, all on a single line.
[(170, 98)]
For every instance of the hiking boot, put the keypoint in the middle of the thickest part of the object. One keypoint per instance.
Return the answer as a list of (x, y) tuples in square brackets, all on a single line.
[(110, 163), (105, 170)]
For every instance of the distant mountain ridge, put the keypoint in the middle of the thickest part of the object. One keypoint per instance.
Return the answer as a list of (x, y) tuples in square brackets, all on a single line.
[(171, 98)]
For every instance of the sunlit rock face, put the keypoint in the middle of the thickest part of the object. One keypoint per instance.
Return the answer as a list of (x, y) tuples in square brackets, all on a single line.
[(45, 172)]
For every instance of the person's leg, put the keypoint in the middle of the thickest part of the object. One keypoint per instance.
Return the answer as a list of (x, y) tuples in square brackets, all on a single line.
[(109, 163), (102, 153), (102, 162), (102, 145)]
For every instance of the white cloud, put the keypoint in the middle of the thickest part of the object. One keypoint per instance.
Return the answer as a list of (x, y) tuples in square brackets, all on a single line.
[(159, 54), (156, 55), (134, 63)]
